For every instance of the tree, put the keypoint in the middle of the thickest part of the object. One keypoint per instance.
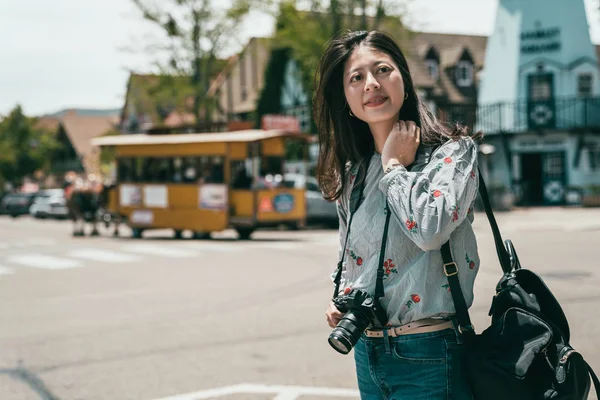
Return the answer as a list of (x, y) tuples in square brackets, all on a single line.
[(23, 148), (196, 32), (108, 156), (305, 33)]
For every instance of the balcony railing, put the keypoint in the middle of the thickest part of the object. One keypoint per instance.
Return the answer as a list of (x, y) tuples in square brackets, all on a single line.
[(555, 114), (522, 116)]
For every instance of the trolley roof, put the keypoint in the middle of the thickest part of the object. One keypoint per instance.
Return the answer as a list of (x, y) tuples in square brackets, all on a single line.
[(252, 135)]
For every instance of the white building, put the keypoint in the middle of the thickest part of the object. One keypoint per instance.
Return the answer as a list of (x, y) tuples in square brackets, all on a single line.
[(539, 101)]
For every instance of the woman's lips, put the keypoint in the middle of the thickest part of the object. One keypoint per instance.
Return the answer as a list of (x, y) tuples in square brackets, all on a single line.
[(377, 101)]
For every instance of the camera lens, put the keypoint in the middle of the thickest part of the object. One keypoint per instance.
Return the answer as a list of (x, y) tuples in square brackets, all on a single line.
[(347, 332), (339, 343)]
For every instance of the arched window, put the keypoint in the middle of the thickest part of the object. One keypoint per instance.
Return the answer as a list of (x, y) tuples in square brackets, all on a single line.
[(432, 63), (464, 73)]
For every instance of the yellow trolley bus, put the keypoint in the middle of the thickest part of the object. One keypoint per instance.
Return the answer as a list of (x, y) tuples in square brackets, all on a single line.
[(204, 182)]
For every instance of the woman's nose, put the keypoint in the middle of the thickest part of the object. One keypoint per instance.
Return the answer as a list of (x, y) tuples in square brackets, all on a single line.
[(371, 83)]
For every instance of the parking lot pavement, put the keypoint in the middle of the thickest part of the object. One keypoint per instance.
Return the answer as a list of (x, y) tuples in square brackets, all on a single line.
[(158, 318)]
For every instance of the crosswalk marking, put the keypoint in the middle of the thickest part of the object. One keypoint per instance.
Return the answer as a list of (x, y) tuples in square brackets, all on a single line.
[(213, 247), (43, 261), (152, 249), (6, 270), (277, 245), (279, 391), (100, 255), (27, 243), (39, 242)]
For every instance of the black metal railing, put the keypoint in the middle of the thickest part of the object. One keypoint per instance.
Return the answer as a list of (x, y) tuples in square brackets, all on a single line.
[(523, 116), (555, 114)]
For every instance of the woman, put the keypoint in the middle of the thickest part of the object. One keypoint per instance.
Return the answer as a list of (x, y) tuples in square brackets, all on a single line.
[(425, 173)]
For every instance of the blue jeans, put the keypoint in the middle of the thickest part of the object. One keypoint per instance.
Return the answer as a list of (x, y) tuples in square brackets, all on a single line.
[(422, 366)]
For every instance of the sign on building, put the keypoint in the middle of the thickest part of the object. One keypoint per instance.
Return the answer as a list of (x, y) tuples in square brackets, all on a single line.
[(285, 122)]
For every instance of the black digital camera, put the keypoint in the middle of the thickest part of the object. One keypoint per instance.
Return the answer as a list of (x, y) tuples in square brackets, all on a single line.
[(360, 310)]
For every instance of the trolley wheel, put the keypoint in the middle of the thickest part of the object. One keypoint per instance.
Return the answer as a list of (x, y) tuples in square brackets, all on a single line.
[(178, 234), (202, 235), (244, 233), (136, 233)]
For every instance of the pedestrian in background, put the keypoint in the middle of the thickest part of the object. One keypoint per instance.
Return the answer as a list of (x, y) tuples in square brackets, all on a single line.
[(423, 172)]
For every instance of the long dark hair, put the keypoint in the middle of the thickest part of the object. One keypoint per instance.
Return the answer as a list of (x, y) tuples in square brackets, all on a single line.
[(344, 140)]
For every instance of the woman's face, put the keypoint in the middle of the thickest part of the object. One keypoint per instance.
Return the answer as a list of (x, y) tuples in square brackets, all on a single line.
[(373, 85)]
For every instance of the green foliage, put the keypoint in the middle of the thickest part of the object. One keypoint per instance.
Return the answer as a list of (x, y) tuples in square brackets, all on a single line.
[(303, 35), (195, 32), (307, 32), (270, 97), (23, 148), (108, 155)]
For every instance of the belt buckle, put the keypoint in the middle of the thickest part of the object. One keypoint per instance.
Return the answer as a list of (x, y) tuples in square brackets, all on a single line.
[(452, 272)]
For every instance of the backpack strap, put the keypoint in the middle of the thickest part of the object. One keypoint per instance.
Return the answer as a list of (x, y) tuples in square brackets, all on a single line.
[(460, 305), (451, 269), (594, 380)]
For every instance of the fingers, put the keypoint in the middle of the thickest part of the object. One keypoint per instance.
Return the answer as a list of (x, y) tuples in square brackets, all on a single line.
[(333, 316), (401, 126), (332, 321), (410, 125)]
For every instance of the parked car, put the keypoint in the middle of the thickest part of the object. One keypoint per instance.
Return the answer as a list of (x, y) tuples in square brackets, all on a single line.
[(318, 210), (16, 204), (50, 203)]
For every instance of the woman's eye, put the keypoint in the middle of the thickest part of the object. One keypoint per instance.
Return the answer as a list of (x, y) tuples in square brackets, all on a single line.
[(384, 69), (355, 78)]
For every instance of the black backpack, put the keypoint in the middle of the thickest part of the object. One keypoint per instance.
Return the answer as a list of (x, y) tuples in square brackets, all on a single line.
[(525, 353)]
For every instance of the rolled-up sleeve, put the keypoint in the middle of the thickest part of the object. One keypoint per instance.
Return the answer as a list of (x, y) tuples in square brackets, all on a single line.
[(431, 203)]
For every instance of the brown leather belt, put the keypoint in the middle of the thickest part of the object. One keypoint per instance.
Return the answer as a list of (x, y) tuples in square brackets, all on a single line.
[(421, 326)]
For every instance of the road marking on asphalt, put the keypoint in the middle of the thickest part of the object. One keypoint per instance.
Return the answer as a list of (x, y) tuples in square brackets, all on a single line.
[(6, 270), (43, 261), (153, 249), (103, 255), (39, 242), (279, 245), (280, 392), (213, 247)]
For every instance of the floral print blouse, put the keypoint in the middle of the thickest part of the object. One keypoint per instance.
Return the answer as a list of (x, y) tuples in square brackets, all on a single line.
[(431, 203)]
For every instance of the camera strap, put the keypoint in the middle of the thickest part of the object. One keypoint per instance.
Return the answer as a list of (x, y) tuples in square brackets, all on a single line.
[(379, 293), (379, 282), (356, 197)]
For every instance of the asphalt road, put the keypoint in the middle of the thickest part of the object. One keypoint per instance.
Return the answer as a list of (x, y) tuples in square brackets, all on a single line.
[(158, 318)]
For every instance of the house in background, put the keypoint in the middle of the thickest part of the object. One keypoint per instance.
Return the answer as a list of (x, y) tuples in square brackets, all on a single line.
[(236, 89), (164, 103), (74, 131), (446, 70)]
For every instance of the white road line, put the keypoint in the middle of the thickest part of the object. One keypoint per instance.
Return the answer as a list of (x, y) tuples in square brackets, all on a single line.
[(39, 242), (281, 392), (6, 270), (43, 261), (279, 245), (157, 250), (214, 247), (103, 255)]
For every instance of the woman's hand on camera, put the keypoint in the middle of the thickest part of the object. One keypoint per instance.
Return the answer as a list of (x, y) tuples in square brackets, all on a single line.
[(401, 145), (333, 315)]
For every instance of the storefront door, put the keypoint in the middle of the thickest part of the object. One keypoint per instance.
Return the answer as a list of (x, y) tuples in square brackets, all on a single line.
[(554, 177)]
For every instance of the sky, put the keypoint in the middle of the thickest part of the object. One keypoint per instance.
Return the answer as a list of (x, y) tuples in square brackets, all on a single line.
[(78, 53)]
